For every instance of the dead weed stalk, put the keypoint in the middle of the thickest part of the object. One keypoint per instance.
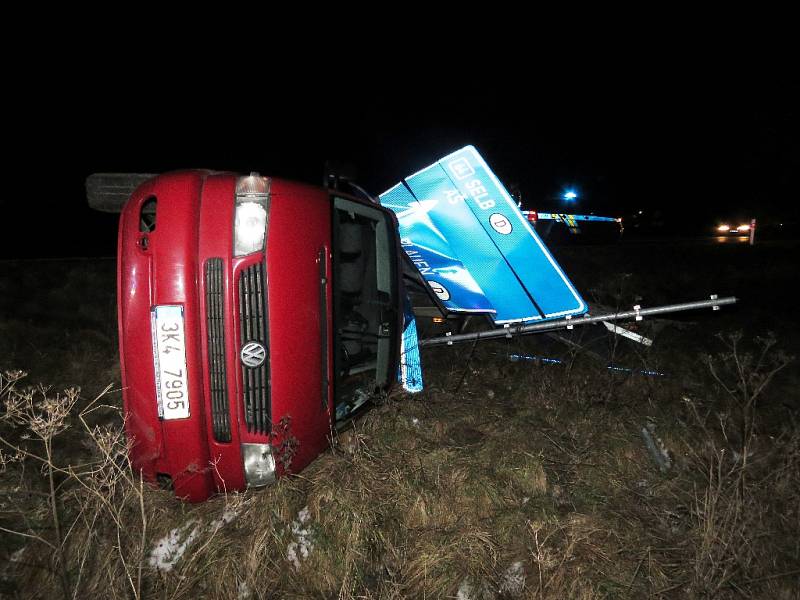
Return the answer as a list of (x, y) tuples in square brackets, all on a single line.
[(729, 507), (78, 502)]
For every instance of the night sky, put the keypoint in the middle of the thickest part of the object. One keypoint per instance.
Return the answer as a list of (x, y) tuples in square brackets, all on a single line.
[(696, 147)]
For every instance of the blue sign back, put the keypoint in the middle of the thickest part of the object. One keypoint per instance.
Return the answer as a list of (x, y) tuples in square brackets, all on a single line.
[(472, 227), (432, 254)]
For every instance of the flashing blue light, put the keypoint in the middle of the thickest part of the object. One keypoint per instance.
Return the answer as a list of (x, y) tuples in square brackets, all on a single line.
[(569, 195)]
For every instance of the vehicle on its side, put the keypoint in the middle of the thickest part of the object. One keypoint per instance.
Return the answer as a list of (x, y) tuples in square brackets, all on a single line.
[(256, 315)]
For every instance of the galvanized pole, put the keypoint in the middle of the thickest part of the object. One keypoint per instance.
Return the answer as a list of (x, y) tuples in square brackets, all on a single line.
[(637, 314)]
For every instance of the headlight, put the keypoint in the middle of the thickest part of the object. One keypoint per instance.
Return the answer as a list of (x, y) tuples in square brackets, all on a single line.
[(249, 228), (743, 228), (723, 228), (259, 464), (252, 214)]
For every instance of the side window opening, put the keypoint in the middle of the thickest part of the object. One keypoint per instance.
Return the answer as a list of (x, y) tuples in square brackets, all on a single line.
[(362, 300), (357, 291)]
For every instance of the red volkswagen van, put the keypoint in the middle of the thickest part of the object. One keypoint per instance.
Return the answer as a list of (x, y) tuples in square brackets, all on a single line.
[(255, 314)]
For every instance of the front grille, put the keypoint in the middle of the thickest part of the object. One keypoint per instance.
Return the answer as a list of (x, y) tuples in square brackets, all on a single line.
[(253, 322), (215, 324)]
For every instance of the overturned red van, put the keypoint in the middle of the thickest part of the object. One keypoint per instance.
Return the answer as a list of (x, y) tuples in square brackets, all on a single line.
[(255, 315)]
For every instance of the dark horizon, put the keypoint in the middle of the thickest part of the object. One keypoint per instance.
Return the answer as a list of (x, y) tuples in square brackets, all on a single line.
[(695, 151)]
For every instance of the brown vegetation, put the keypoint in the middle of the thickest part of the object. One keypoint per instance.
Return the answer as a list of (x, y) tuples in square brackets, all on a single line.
[(501, 480)]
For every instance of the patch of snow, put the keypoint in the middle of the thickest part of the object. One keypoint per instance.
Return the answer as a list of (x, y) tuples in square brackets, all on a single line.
[(303, 542), (244, 592), (17, 556), (465, 590), (228, 515), (737, 457), (469, 591), (513, 580), (169, 549)]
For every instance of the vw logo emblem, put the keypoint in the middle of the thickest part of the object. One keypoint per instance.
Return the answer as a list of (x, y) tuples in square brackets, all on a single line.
[(253, 354)]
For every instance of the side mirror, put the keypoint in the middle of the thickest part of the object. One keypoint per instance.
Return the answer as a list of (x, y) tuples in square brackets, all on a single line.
[(338, 172)]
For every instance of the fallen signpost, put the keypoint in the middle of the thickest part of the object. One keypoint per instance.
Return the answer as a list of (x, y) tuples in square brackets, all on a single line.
[(636, 313)]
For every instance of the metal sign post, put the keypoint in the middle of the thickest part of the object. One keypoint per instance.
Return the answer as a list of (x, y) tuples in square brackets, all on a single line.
[(637, 313)]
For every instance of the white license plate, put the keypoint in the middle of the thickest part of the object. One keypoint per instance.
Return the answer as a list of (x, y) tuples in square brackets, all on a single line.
[(169, 357)]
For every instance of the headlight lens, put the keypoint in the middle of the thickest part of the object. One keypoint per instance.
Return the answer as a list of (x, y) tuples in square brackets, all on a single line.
[(251, 217), (723, 228), (259, 464), (249, 228), (743, 228)]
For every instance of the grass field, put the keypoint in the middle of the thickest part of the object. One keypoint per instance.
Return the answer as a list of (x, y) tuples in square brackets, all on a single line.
[(503, 479)]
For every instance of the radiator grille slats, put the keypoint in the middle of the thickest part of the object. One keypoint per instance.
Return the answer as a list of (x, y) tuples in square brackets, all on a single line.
[(215, 325), (253, 328)]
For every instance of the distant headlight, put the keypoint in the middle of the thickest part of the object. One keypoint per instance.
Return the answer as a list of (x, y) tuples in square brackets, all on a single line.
[(724, 228), (251, 218), (743, 228)]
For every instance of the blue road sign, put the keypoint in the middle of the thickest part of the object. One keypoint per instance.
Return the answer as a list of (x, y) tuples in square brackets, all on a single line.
[(456, 215)]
